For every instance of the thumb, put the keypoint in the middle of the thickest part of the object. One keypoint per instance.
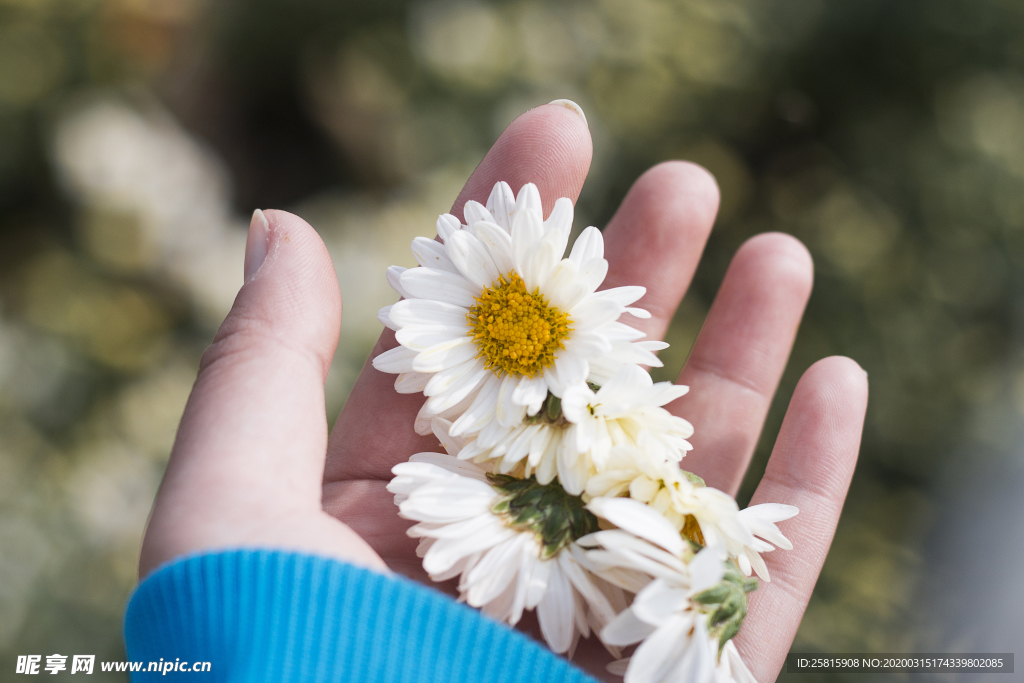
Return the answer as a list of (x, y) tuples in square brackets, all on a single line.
[(249, 454)]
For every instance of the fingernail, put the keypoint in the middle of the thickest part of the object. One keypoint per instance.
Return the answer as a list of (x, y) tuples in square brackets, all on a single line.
[(571, 106), (256, 243)]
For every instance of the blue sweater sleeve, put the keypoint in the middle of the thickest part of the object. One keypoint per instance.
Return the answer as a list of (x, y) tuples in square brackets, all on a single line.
[(262, 615)]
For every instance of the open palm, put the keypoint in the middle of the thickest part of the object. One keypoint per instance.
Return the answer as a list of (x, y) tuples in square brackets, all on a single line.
[(253, 465)]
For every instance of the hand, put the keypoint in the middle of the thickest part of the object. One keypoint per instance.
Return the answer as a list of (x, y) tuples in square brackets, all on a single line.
[(253, 466)]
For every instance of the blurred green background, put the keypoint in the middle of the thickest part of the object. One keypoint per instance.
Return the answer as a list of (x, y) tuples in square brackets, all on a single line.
[(136, 137)]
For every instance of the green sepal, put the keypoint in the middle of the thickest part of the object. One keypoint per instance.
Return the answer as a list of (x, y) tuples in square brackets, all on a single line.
[(714, 595), (725, 603), (550, 412), (729, 608), (553, 408), (556, 517)]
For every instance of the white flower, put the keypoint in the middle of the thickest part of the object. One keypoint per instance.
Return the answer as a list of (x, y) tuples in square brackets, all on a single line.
[(572, 438), (705, 514), (675, 644), (494, 318), (627, 411), (471, 528)]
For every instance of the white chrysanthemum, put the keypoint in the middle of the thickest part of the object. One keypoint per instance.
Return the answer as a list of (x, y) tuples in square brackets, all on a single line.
[(572, 438), (494, 318), (627, 411), (675, 643), (508, 558), (667, 489)]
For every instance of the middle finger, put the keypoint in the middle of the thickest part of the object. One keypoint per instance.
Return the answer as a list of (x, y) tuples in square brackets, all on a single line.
[(739, 356)]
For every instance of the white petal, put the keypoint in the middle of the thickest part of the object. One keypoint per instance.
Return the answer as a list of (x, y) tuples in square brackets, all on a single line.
[(588, 344), (571, 370), (501, 204), (737, 667), (475, 212), (625, 629), (446, 225), (591, 312), (623, 296), (706, 569), (519, 447), (426, 312), (509, 413), (660, 651), (572, 468), (759, 519), (458, 389), (530, 392), (640, 520), (527, 232), (423, 419), (445, 355), (539, 444), (481, 410), (431, 254), (592, 274), (440, 285), (492, 575), (394, 275), (384, 316), (589, 245), (470, 256), (538, 265), (759, 567), (771, 512), (528, 201), (597, 602), (659, 601), (398, 359), (533, 577), (697, 661), (444, 380), (555, 612), (576, 400), (446, 552), (560, 222), (421, 337), (499, 245), (563, 287), (411, 382), (547, 468), (450, 464), (535, 582), (618, 667)]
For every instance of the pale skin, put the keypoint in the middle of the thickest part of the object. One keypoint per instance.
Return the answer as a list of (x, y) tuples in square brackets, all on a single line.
[(253, 464)]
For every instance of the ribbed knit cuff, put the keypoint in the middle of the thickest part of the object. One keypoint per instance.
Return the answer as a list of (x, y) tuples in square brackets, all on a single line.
[(260, 615)]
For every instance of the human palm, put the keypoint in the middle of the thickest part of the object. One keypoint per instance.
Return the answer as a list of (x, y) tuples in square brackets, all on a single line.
[(253, 465)]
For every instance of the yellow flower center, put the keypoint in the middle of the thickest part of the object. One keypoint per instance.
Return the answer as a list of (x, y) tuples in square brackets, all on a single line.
[(516, 332)]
